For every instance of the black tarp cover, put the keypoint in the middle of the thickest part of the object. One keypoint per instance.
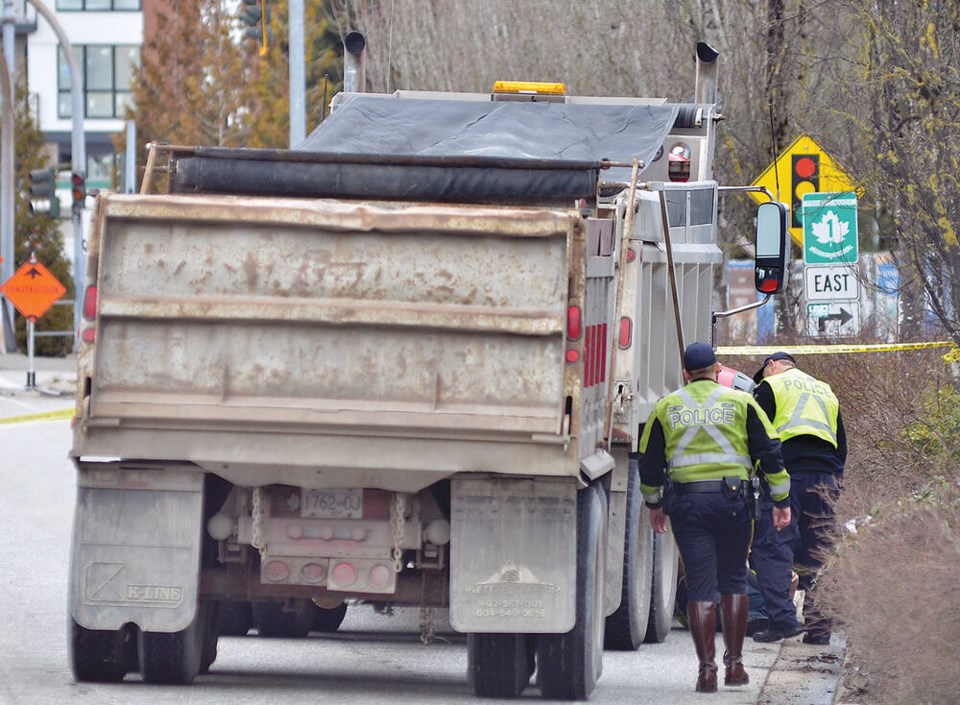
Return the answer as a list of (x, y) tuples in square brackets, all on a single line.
[(550, 132), (443, 150)]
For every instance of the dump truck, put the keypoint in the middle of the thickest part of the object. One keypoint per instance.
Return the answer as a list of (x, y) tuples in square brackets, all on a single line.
[(405, 364)]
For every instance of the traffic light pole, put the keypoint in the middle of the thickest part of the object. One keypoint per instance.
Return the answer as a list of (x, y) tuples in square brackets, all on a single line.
[(7, 222), (295, 22), (78, 158)]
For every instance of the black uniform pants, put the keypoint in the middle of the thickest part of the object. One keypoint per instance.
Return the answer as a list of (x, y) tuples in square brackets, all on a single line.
[(803, 544), (713, 535)]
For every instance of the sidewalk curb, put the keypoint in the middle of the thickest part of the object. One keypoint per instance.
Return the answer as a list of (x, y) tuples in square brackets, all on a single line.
[(805, 674)]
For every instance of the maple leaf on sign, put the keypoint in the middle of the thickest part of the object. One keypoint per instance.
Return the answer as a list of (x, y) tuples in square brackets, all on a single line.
[(830, 230)]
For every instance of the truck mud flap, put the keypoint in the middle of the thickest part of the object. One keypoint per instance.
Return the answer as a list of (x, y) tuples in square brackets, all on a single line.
[(513, 555), (136, 549)]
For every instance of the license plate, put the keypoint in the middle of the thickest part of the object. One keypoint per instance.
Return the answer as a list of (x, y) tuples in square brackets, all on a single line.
[(332, 504)]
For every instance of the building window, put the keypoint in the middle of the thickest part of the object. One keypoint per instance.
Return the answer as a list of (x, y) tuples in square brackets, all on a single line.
[(107, 71), (98, 5)]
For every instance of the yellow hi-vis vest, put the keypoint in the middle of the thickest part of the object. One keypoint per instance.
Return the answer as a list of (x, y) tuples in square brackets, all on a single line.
[(805, 406), (705, 432)]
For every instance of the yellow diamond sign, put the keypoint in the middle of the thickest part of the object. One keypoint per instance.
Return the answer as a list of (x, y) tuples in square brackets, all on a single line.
[(802, 168)]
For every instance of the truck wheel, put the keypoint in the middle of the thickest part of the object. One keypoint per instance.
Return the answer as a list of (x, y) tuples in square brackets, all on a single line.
[(173, 657), (328, 619), (236, 618), (499, 665), (211, 635), (571, 663), (98, 656), (282, 620), (627, 626), (666, 566)]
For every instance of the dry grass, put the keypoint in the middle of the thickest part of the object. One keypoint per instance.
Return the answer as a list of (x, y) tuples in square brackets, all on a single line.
[(893, 588)]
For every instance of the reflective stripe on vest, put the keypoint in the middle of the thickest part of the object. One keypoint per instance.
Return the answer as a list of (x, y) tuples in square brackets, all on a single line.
[(802, 407), (727, 454)]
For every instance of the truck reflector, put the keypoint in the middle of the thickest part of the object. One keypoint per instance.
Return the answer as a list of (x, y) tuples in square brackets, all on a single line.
[(573, 356), (626, 333), (90, 302), (574, 328)]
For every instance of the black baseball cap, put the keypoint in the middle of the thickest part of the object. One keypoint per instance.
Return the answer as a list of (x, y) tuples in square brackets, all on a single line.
[(697, 356), (779, 355)]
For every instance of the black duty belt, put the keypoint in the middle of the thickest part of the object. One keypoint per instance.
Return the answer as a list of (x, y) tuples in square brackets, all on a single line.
[(700, 486)]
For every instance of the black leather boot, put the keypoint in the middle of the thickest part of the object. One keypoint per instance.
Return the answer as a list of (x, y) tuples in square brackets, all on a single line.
[(703, 628), (733, 612)]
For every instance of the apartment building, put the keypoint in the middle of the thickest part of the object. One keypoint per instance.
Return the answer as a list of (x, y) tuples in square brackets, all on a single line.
[(107, 36)]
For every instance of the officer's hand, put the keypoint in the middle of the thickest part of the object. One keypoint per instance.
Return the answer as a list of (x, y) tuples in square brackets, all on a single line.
[(781, 518), (658, 520)]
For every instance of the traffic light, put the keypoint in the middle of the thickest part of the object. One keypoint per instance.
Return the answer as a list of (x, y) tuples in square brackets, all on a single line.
[(256, 16), (78, 191), (806, 179), (43, 186)]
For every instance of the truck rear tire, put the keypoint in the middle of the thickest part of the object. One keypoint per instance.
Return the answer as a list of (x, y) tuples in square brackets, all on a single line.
[(98, 656), (570, 664), (173, 658), (236, 618), (278, 619), (627, 627), (211, 635), (499, 665), (328, 619), (666, 565)]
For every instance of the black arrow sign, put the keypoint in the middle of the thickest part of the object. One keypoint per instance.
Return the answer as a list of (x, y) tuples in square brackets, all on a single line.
[(33, 273), (843, 317)]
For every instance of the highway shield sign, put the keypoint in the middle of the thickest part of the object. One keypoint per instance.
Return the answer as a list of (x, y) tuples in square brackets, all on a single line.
[(830, 228)]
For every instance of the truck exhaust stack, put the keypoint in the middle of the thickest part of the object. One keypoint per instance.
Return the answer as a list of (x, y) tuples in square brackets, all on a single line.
[(354, 63), (707, 67)]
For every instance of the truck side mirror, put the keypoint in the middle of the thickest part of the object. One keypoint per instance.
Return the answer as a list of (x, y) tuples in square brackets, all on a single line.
[(770, 268)]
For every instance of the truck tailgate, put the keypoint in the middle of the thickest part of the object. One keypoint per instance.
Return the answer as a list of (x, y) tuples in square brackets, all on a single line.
[(254, 332)]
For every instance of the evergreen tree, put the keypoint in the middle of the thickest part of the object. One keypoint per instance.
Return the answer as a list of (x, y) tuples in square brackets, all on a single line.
[(37, 233), (191, 87), (270, 114)]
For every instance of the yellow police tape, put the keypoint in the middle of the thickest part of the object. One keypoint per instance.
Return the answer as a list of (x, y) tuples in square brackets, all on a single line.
[(763, 350), (41, 416)]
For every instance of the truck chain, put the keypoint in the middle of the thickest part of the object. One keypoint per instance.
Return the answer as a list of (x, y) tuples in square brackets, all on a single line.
[(256, 538), (398, 507)]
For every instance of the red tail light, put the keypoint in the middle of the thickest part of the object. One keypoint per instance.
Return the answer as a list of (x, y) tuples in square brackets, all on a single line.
[(631, 255), (90, 303), (626, 333), (574, 323)]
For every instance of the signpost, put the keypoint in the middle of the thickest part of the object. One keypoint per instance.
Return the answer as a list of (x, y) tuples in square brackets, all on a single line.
[(33, 290), (830, 253)]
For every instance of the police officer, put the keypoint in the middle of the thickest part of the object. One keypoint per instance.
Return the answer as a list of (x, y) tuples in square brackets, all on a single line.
[(806, 414), (704, 439)]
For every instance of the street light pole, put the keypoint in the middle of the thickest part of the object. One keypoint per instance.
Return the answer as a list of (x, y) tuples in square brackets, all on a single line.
[(295, 22), (7, 175), (78, 157)]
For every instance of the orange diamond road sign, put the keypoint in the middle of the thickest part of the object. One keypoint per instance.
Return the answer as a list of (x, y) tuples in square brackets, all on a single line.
[(33, 290)]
